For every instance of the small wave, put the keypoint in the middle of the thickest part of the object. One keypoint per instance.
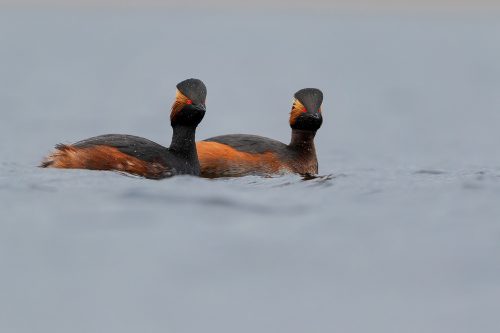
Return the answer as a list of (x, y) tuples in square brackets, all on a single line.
[(322, 181), (429, 172), (216, 201)]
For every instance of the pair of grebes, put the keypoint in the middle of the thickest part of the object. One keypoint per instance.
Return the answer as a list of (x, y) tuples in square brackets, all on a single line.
[(221, 156)]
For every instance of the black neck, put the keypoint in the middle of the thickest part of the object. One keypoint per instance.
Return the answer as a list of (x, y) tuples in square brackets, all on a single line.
[(302, 140), (183, 141)]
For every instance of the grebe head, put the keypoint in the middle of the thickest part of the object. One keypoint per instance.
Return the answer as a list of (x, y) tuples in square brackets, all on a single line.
[(306, 110), (189, 105)]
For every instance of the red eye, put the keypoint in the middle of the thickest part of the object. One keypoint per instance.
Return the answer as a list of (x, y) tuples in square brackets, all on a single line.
[(189, 102), (305, 110)]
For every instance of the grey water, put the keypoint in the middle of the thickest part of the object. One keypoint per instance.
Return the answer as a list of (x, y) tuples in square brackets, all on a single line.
[(400, 233)]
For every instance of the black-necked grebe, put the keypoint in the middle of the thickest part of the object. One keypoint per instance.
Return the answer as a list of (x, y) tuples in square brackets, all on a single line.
[(139, 156), (239, 154)]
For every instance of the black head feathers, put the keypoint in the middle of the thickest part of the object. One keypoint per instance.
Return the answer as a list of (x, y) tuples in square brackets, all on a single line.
[(311, 98), (193, 89)]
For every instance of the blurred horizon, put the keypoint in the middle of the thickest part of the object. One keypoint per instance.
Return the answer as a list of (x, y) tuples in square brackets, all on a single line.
[(446, 5)]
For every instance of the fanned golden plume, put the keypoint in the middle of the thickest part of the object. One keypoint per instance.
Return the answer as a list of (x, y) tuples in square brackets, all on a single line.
[(297, 109), (180, 101)]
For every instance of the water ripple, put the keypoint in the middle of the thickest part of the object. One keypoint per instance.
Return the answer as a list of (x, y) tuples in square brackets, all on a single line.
[(216, 201), (429, 172)]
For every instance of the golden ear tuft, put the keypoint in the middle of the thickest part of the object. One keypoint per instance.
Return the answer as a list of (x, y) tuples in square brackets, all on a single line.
[(180, 101), (297, 109)]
